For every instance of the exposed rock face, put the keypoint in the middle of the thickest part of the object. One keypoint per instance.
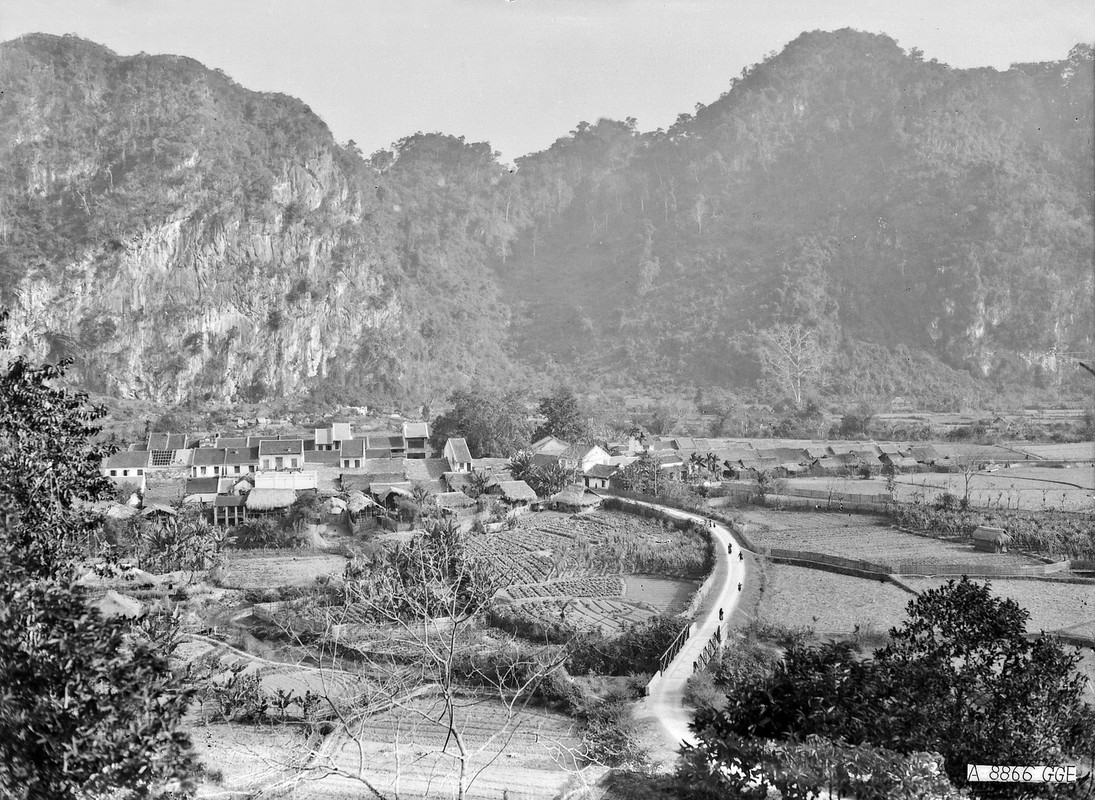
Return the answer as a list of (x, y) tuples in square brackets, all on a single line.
[(185, 238)]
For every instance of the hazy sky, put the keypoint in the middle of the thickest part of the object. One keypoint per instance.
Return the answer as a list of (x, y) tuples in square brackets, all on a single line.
[(521, 73)]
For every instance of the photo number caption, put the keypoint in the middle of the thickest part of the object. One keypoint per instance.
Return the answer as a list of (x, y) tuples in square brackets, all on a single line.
[(996, 774)]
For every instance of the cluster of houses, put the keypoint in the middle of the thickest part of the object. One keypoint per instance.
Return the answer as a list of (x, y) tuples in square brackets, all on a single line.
[(241, 477), (725, 459)]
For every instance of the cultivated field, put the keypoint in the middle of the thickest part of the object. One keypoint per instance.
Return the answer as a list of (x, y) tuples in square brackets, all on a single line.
[(832, 605), (1026, 487), (403, 751), (600, 570), (1053, 605), (864, 538), (260, 570)]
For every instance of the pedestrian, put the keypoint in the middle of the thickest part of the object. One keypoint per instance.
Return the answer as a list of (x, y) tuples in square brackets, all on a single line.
[(729, 547), (741, 556), (739, 586), (720, 615)]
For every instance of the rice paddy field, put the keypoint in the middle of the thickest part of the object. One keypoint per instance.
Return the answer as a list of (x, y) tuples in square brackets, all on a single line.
[(830, 604), (1053, 605), (865, 538), (1026, 487)]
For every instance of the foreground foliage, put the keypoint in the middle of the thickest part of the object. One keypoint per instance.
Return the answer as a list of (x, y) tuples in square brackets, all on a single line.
[(959, 678), (87, 707)]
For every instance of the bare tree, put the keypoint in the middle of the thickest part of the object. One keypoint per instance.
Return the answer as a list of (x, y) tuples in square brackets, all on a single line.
[(791, 356), (426, 670)]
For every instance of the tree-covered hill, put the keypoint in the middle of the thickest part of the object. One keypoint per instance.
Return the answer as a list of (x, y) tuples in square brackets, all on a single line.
[(897, 226), (916, 219)]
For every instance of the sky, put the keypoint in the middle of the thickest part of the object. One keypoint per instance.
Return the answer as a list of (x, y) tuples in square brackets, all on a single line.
[(522, 73)]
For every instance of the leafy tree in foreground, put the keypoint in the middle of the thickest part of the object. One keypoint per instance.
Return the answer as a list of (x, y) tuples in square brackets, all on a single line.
[(87, 710), (959, 678)]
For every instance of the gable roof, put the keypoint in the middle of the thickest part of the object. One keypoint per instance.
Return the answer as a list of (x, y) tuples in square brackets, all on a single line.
[(126, 459), (516, 491), (208, 456), (383, 466), (230, 441), (201, 486), (461, 454), (241, 455), (282, 447), (166, 441), (416, 430), (322, 457), (602, 470), (425, 470), (549, 445)]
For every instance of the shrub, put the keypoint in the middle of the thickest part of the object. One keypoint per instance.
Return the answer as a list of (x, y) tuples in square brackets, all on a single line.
[(700, 691), (265, 532)]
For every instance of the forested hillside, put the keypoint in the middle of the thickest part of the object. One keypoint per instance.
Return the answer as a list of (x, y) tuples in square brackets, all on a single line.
[(846, 219), (910, 218)]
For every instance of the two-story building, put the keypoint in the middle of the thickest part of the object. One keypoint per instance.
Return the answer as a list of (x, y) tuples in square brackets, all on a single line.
[(281, 454)]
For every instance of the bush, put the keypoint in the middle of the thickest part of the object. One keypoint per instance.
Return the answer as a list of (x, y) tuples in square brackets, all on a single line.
[(700, 691), (637, 649), (610, 735), (265, 532)]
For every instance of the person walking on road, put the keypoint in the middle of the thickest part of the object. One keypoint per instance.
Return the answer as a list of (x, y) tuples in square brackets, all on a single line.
[(739, 586), (729, 548), (741, 556)]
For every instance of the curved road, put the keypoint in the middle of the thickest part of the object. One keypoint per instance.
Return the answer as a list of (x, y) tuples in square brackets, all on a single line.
[(665, 703)]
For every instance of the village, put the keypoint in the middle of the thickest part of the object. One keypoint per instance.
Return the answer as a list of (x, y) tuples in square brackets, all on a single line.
[(235, 478)]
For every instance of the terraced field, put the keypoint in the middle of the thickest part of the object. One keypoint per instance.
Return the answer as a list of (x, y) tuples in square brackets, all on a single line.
[(574, 569), (866, 538)]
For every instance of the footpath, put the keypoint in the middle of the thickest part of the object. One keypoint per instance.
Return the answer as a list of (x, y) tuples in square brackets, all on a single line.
[(665, 702)]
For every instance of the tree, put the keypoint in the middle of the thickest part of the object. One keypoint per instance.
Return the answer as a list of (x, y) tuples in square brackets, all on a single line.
[(549, 479), (564, 416), (959, 678), (792, 358), (86, 706), (966, 681), (428, 598), (494, 424)]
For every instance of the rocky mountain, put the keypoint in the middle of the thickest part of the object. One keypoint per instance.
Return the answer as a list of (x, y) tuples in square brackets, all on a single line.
[(183, 237), (929, 228), (926, 231)]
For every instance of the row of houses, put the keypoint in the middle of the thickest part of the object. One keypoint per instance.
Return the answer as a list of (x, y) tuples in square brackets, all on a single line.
[(335, 446)]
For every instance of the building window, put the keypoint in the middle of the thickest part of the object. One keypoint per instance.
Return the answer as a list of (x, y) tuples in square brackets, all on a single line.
[(237, 469), (357, 463), (140, 472), (114, 473)]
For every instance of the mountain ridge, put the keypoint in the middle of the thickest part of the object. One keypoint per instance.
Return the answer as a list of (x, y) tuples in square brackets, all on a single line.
[(186, 238)]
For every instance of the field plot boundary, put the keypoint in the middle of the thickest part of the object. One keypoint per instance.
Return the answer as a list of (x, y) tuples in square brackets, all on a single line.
[(807, 558)]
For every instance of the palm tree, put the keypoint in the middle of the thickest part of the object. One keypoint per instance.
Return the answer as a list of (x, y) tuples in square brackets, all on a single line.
[(478, 482), (521, 466), (711, 461), (695, 463)]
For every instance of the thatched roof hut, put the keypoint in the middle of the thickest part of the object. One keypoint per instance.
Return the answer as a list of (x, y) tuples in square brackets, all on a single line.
[(270, 499), (358, 502)]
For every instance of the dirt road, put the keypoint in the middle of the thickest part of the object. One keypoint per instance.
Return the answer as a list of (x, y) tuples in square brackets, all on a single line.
[(665, 704)]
